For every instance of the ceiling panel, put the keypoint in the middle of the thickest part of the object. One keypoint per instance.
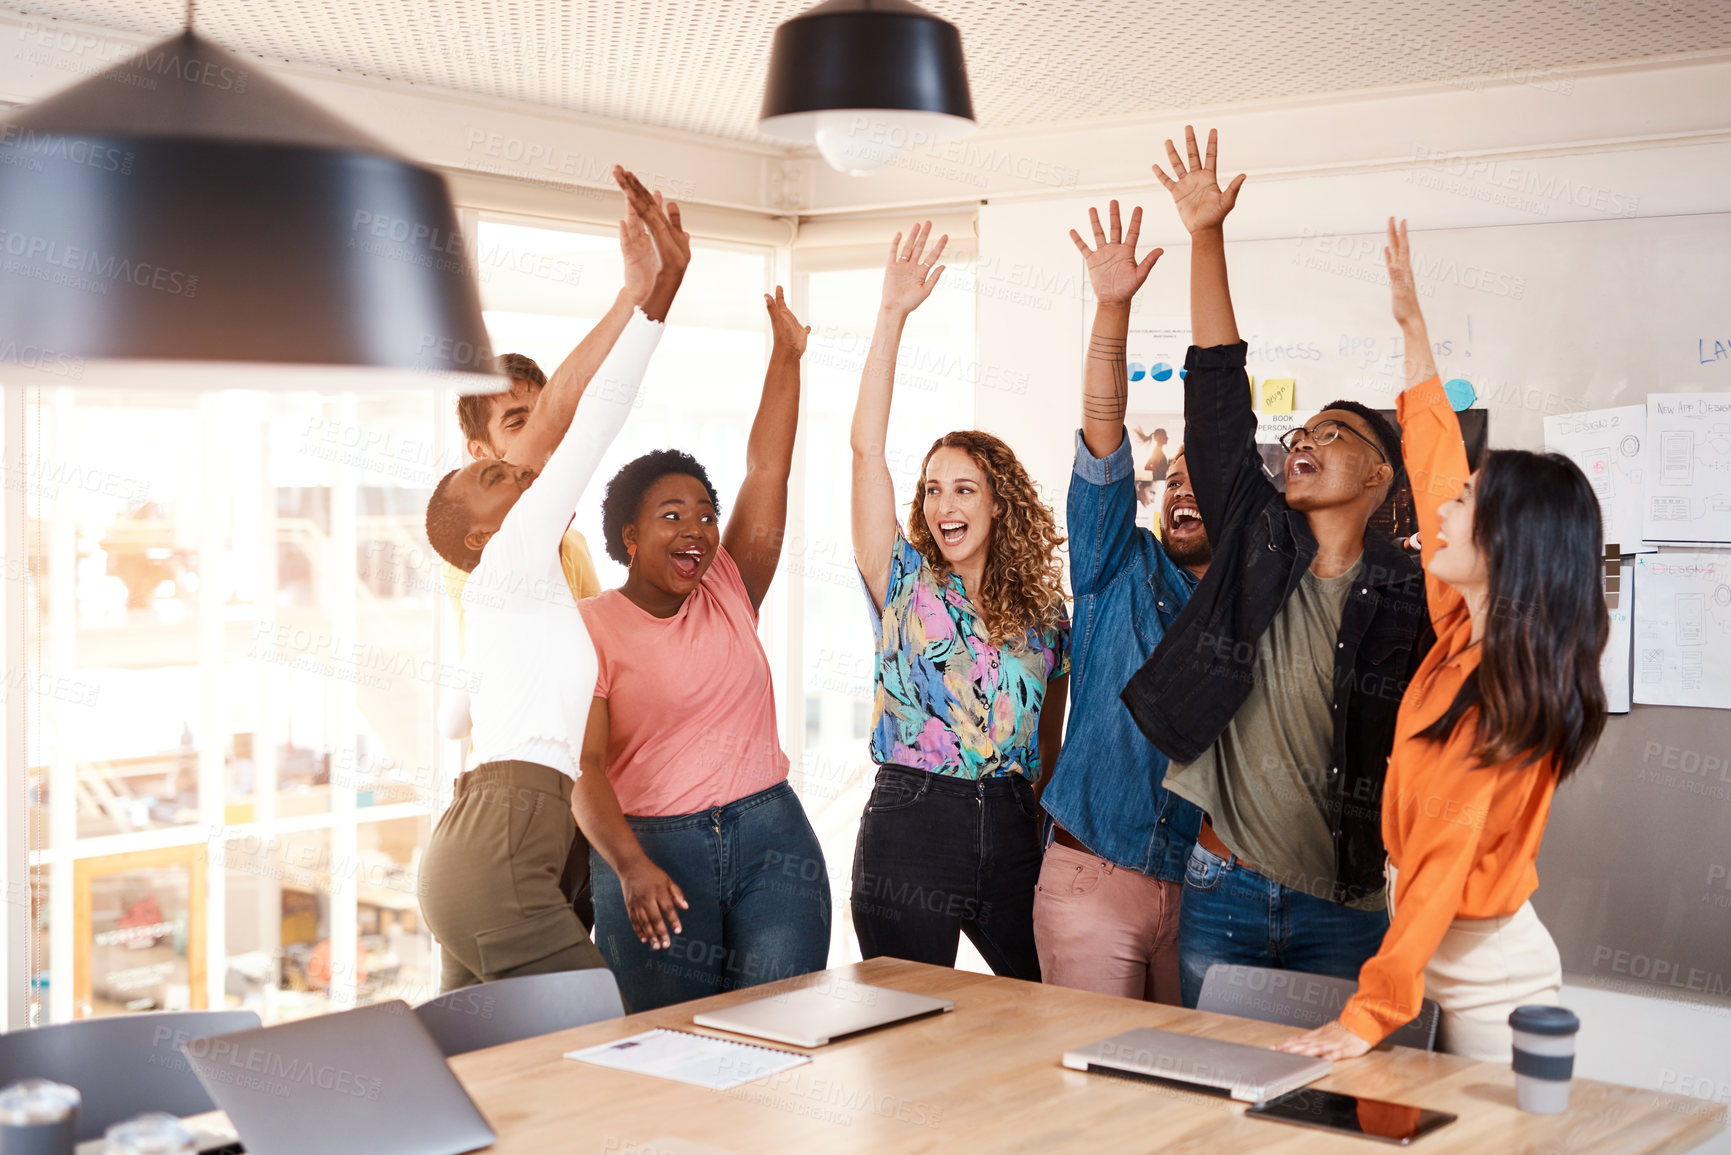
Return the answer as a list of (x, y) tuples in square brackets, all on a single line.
[(698, 65)]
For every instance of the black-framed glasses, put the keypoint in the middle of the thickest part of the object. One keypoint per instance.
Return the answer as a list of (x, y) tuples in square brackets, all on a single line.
[(1326, 432)]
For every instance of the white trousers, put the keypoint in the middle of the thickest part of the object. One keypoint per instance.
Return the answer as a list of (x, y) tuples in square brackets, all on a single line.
[(1483, 969)]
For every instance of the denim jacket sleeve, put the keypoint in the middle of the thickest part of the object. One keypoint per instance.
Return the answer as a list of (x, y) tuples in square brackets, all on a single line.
[(1102, 516), (1220, 438)]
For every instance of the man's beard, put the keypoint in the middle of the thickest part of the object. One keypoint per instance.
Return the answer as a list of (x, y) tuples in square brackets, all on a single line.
[(1199, 552)]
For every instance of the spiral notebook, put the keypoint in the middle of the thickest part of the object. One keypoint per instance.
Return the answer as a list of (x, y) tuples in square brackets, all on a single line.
[(719, 1064)]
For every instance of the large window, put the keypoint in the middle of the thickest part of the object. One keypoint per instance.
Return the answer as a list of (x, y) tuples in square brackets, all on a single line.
[(231, 748), (238, 636), (934, 394)]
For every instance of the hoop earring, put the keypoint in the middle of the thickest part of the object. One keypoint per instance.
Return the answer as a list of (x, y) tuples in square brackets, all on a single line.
[(630, 555)]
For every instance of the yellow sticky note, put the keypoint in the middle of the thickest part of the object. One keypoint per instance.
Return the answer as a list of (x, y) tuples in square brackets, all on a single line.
[(1277, 394)]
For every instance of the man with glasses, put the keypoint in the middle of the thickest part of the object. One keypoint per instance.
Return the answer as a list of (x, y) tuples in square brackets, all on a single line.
[(1276, 691)]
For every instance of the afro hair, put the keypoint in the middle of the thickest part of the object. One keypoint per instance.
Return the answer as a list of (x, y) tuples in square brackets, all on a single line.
[(624, 500)]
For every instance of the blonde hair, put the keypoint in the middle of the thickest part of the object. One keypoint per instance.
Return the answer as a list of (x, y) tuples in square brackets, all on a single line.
[(1023, 586)]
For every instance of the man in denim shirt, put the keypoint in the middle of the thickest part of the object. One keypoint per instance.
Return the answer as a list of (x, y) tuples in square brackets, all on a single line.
[(1106, 911)]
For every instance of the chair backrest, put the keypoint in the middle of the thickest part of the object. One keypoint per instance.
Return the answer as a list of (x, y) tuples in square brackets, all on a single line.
[(506, 1010), (1298, 999), (123, 1065)]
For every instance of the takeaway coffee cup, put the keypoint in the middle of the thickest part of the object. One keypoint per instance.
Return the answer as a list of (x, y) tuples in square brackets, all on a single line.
[(38, 1117), (1544, 1057), (153, 1134)]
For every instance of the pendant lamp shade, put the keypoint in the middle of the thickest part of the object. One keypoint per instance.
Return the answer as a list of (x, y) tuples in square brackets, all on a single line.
[(183, 221), (862, 79)]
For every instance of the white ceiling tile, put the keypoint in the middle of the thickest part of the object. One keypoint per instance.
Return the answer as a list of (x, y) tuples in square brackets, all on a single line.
[(698, 65)]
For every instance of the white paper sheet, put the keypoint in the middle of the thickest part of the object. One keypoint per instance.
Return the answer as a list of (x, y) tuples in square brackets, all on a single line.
[(719, 1064), (1688, 468), (1607, 445), (1155, 348), (1614, 664), (1682, 636), (1154, 352)]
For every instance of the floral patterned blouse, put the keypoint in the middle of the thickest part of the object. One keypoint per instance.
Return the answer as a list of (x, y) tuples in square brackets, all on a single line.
[(947, 700)]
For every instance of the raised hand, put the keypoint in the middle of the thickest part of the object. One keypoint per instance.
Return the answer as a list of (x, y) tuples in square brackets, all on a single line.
[(1402, 291), (1113, 270), (638, 250), (789, 333), (1419, 360), (909, 277), (672, 245), (1195, 188)]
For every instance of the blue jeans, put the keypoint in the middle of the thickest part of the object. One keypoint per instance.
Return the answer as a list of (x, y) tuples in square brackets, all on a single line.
[(754, 875), (1231, 914)]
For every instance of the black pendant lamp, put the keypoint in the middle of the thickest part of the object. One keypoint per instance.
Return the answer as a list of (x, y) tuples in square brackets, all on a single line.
[(862, 79), (182, 221)]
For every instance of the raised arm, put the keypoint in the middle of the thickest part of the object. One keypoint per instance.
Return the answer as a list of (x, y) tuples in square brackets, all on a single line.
[(1219, 420), (909, 278), (1115, 275), (1202, 206), (1430, 434), (639, 245), (1415, 338), (754, 529)]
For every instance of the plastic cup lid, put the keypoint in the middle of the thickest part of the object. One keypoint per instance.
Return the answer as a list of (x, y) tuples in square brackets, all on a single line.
[(149, 1135), (37, 1101), (1544, 1020)]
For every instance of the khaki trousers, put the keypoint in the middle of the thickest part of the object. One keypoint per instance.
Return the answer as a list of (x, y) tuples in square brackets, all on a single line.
[(491, 874), (1483, 969)]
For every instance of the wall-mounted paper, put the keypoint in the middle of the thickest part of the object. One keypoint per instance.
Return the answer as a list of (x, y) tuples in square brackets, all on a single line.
[(1607, 445), (1682, 631), (1277, 394), (1688, 467), (1614, 664), (1269, 429), (1155, 349)]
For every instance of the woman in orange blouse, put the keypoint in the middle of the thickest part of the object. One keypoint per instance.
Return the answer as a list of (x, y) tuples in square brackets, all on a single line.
[(1507, 704)]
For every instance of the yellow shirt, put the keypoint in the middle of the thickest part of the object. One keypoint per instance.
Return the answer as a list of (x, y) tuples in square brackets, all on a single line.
[(574, 559)]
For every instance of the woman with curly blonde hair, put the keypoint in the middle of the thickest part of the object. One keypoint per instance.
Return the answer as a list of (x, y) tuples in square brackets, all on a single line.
[(972, 670)]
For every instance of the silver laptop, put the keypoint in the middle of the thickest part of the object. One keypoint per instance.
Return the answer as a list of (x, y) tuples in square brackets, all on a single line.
[(1248, 1073), (370, 1081), (812, 1016)]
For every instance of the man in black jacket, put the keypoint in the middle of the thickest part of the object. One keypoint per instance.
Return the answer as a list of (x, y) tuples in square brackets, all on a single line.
[(1275, 692)]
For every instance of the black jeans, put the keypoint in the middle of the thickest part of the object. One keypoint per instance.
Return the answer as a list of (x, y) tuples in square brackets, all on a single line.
[(941, 856)]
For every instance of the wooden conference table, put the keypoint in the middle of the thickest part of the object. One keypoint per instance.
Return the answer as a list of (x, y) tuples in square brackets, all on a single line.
[(989, 1078)]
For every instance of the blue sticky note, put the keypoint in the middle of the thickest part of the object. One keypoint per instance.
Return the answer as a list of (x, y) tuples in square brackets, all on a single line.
[(1461, 394)]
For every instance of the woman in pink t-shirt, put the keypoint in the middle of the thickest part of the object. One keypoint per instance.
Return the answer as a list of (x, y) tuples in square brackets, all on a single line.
[(706, 873)]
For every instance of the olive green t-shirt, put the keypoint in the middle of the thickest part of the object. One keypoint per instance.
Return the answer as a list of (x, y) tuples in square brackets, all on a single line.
[(1264, 782)]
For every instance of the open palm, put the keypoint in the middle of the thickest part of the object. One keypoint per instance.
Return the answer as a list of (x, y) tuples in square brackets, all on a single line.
[(1113, 271), (1402, 289), (788, 332), (1195, 186), (637, 248), (909, 275)]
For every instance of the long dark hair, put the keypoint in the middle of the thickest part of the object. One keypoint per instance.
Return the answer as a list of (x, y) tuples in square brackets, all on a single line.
[(1537, 690)]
